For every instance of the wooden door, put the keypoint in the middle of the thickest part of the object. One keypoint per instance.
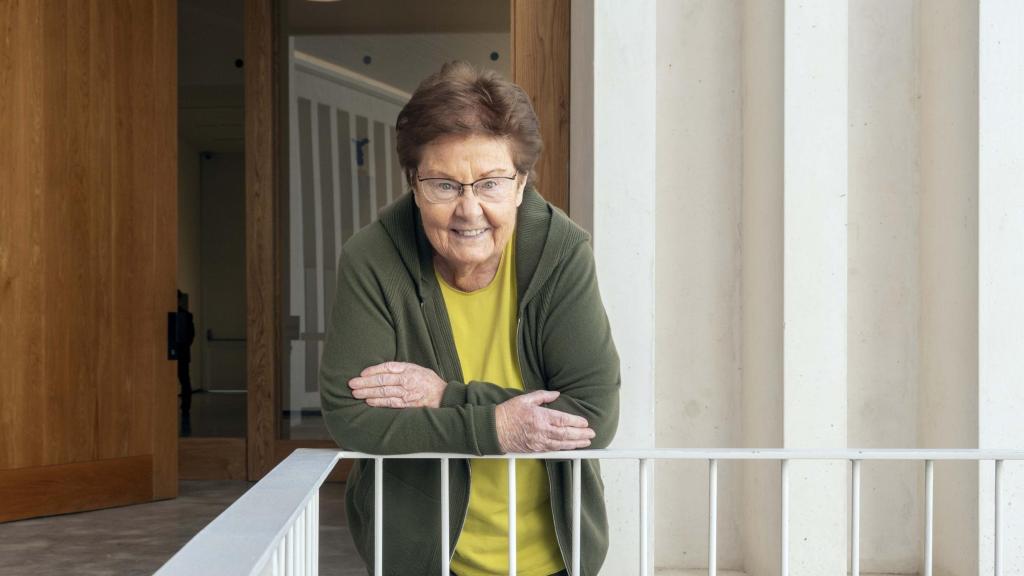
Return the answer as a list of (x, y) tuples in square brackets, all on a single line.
[(540, 64), (88, 249)]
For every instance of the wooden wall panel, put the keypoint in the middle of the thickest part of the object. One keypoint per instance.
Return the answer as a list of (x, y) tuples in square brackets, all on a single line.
[(87, 239), (261, 237), (48, 490), (212, 459), (540, 64), (165, 242)]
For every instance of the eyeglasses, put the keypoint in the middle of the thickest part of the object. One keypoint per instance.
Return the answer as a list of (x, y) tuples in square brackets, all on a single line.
[(490, 189)]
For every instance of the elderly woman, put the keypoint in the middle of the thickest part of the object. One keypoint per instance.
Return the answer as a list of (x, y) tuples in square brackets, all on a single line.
[(468, 320)]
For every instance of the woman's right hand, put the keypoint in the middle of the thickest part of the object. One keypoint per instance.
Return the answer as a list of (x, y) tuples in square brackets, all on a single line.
[(525, 426)]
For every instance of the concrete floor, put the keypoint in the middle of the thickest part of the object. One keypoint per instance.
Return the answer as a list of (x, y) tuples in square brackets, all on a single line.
[(139, 539)]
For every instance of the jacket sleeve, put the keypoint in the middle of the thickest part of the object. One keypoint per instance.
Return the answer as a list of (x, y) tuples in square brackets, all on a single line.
[(579, 356), (361, 334)]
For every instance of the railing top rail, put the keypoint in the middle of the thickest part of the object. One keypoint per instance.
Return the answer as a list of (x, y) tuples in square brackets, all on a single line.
[(241, 541), (738, 454), (243, 538)]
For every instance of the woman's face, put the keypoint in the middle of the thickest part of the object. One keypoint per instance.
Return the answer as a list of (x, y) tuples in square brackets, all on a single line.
[(468, 233)]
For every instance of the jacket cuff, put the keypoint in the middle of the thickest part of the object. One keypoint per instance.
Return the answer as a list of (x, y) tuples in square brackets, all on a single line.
[(486, 430), (454, 394)]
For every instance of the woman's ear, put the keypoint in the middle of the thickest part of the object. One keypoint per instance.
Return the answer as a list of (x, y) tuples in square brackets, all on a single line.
[(519, 191)]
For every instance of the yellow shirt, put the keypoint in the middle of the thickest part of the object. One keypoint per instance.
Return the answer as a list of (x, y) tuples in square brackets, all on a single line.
[(484, 324)]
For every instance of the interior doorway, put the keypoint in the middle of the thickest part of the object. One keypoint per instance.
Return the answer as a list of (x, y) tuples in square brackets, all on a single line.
[(305, 97), (212, 408)]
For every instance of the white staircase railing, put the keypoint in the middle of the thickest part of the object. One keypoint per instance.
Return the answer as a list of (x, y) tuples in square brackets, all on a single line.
[(274, 527)]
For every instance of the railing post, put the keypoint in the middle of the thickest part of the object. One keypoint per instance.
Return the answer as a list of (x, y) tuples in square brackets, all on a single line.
[(645, 465), (316, 533), (712, 517), (445, 535), (511, 515), (999, 520), (855, 526), (784, 515), (378, 516), (577, 488), (929, 511)]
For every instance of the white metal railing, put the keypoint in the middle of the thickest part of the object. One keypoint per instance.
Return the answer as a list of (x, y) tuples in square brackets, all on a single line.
[(273, 528)]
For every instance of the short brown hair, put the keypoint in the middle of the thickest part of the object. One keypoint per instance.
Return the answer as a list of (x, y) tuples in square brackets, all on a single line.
[(463, 100)]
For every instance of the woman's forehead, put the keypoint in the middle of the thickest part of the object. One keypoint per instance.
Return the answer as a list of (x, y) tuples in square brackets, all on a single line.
[(474, 153)]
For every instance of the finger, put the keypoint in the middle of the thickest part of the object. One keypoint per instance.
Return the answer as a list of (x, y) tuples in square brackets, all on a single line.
[(540, 397), (379, 392), (391, 402), (375, 381), (558, 418), (570, 433), (558, 445), (384, 368)]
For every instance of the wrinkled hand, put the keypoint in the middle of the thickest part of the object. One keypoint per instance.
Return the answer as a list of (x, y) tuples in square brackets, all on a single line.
[(526, 426), (398, 385)]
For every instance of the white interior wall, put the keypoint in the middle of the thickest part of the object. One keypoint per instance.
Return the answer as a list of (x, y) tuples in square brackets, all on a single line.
[(1000, 281), (948, 269), (699, 179), (761, 278), (883, 283)]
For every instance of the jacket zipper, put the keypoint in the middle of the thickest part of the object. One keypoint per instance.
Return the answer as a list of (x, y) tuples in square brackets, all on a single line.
[(551, 500)]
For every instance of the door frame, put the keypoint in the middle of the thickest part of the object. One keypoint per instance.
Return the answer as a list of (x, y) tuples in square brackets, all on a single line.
[(540, 63)]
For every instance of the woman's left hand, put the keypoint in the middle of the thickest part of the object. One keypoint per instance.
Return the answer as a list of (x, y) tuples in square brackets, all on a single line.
[(398, 385)]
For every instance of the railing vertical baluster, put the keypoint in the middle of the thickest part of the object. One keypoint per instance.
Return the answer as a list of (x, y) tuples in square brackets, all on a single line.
[(282, 556), (378, 516), (290, 565), (300, 546), (784, 552), (929, 493), (855, 527), (445, 535), (577, 483), (307, 543), (275, 567), (644, 515), (307, 520), (999, 520), (512, 516), (712, 517), (316, 533)]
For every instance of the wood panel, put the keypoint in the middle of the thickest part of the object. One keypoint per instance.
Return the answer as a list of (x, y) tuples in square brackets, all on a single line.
[(540, 64), (261, 247), (47, 490), (87, 239), (212, 459)]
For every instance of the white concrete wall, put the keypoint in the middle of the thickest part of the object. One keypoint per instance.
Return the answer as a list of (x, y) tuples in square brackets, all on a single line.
[(761, 278), (699, 183), (1001, 275), (883, 280), (731, 214), (613, 186), (948, 269)]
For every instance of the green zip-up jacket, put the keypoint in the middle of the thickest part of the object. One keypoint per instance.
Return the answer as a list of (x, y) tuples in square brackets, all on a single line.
[(388, 306)]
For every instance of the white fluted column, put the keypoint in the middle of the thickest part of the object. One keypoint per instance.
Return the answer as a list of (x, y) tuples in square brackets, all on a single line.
[(1001, 272), (815, 273), (612, 176)]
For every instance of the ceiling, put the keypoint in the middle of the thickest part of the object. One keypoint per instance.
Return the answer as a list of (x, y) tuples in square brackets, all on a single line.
[(398, 16)]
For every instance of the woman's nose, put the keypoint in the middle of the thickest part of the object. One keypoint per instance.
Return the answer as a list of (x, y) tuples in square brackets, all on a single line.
[(468, 204)]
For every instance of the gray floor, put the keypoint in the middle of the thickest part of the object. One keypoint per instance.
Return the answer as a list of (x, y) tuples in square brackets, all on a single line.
[(139, 539)]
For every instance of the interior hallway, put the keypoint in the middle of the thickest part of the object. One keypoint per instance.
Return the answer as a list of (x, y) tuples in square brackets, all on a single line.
[(139, 539)]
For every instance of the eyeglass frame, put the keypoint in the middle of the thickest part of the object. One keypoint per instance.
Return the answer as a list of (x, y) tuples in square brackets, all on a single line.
[(472, 186)]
